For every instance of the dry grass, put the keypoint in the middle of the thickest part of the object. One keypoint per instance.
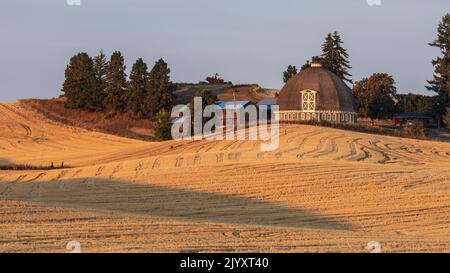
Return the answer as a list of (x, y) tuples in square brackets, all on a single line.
[(251, 92), (324, 190), (120, 124)]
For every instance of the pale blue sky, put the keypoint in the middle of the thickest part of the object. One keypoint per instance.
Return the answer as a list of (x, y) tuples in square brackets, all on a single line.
[(246, 41)]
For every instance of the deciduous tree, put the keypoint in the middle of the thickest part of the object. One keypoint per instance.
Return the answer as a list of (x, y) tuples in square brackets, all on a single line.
[(375, 96)]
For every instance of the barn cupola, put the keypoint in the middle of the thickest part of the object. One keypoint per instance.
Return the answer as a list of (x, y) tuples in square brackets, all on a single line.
[(316, 61)]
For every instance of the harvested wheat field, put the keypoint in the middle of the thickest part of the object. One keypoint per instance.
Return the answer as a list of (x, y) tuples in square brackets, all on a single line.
[(324, 190)]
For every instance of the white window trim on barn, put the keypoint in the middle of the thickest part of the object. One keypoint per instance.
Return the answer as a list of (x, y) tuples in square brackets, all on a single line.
[(332, 116), (308, 100)]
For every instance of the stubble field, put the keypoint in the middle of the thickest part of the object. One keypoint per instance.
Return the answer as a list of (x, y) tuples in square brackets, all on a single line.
[(324, 190)]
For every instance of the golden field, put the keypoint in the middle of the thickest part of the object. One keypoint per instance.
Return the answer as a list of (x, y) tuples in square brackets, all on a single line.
[(324, 190)]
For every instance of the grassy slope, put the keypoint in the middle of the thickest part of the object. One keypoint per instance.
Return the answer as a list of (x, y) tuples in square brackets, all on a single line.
[(120, 124)]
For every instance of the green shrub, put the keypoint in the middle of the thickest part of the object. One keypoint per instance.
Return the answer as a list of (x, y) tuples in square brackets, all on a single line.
[(416, 130), (163, 127)]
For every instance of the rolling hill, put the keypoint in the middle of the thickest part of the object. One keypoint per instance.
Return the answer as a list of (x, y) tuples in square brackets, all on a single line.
[(324, 190)]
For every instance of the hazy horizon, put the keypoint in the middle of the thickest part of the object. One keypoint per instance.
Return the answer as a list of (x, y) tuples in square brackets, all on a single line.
[(249, 41)]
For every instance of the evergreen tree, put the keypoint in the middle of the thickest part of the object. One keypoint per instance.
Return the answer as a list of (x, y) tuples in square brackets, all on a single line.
[(335, 56), (208, 98), (116, 83), (159, 89), (441, 79), (79, 86), (306, 65), (447, 117), (100, 70), (289, 73), (137, 88), (162, 126), (328, 53)]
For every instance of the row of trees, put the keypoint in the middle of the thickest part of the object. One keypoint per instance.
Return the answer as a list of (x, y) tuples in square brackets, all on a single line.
[(101, 84), (408, 103), (377, 98)]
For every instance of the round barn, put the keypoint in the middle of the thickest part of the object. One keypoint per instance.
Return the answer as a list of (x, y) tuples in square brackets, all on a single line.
[(317, 94)]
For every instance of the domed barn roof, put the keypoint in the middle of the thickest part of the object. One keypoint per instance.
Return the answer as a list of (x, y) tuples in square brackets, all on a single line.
[(332, 93)]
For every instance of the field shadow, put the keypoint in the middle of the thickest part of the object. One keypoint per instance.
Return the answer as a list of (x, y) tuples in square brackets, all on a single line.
[(4, 161), (6, 165), (151, 200)]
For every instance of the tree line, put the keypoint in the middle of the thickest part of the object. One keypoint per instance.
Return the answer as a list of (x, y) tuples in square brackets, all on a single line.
[(377, 95), (98, 84), (377, 98)]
